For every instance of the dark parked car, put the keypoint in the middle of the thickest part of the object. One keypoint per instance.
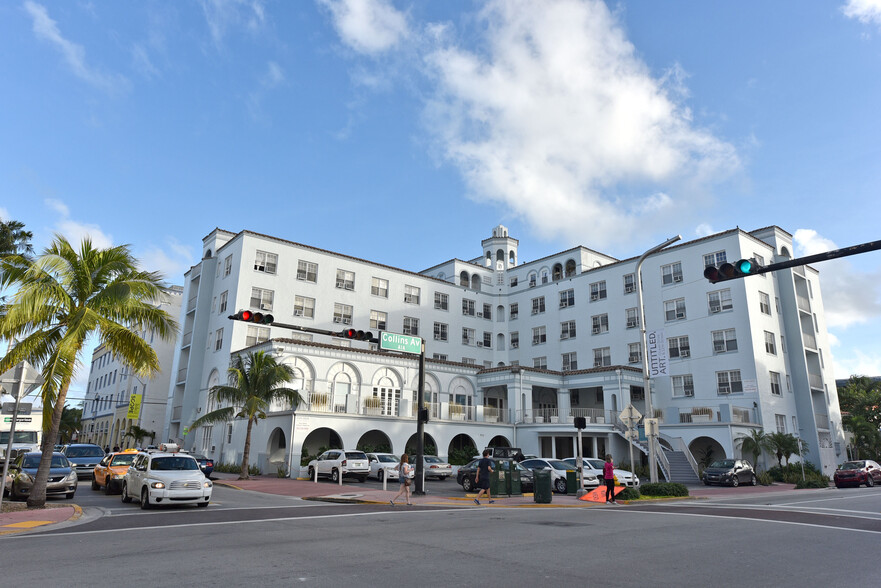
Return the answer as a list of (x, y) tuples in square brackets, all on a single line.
[(854, 473), (20, 480), (465, 476), (731, 472), (205, 463), (84, 457)]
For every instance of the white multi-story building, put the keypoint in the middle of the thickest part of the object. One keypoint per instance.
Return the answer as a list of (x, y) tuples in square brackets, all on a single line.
[(514, 350), (106, 419)]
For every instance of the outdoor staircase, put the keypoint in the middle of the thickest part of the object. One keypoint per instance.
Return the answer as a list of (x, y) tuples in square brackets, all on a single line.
[(680, 470)]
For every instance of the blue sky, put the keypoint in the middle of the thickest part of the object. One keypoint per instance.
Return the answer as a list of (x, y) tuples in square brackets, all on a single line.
[(366, 126)]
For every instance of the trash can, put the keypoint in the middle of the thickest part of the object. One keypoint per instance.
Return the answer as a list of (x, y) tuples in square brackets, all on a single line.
[(498, 482), (542, 486), (571, 482)]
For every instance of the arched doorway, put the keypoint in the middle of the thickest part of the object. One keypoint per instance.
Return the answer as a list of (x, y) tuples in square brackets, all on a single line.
[(461, 450), (428, 440), (320, 440), (706, 450), (276, 449), (375, 441), (499, 441)]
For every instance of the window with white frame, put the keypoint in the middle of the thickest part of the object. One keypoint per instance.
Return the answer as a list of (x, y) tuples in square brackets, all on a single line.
[(775, 384), (810, 290), (514, 311), (256, 335), (440, 331), (678, 347), (538, 305), (441, 301), (629, 283), (780, 421), (770, 343), (439, 356), (599, 324), (514, 281), (602, 357), (487, 311), (412, 294), (515, 340), (229, 433), (342, 313), (728, 382), (764, 303), (720, 300), (411, 326), (261, 298), (468, 307), (598, 291), (345, 280), (304, 307), (223, 301), (567, 330), (671, 273), (674, 310), (467, 336), (539, 335), (307, 271), (634, 352), (487, 339), (227, 265), (266, 262), (567, 298), (570, 361), (631, 316), (544, 276), (218, 340), (724, 341), (532, 279), (378, 320), (715, 259), (379, 287), (683, 386), (206, 437), (469, 360), (540, 363)]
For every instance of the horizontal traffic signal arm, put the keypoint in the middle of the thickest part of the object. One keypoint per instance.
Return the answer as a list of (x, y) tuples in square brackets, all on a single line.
[(728, 271), (267, 319), (257, 318)]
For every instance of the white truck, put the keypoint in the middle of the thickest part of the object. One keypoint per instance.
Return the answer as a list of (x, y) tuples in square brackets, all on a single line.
[(28, 427)]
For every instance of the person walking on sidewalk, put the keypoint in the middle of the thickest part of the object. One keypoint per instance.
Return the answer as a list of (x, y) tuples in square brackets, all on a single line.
[(609, 478), (404, 478), (482, 476)]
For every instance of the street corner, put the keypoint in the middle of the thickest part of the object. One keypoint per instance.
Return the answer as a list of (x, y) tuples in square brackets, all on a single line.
[(29, 519)]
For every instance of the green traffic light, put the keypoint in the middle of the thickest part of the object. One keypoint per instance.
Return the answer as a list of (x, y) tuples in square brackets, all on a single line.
[(744, 266)]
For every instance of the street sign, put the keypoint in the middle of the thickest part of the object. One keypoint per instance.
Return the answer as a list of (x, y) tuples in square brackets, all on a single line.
[(403, 343), (651, 427), (632, 435), (23, 408), (657, 353), (630, 416)]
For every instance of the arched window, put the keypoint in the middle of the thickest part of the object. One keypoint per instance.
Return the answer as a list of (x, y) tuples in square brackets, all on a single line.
[(570, 268), (512, 258), (489, 259), (558, 271), (464, 280), (475, 282)]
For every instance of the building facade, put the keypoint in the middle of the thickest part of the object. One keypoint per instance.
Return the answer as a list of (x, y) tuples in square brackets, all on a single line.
[(515, 351), (111, 385)]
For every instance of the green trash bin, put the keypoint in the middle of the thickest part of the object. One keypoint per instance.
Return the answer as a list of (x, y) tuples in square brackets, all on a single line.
[(498, 482), (572, 482), (542, 486)]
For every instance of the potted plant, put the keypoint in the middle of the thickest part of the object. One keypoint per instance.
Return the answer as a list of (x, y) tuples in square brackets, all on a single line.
[(457, 412), (701, 414), (318, 401), (373, 404)]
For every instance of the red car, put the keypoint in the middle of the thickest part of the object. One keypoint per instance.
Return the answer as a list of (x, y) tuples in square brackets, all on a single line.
[(854, 473)]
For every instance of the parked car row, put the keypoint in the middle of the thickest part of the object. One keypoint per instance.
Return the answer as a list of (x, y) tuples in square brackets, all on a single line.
[(857, 472), (466, 474)]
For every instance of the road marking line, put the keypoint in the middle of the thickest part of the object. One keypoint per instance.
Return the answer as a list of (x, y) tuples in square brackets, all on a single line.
[(25, 524)]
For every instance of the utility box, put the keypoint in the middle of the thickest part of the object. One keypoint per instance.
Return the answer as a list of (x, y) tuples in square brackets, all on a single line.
[(571, 482)]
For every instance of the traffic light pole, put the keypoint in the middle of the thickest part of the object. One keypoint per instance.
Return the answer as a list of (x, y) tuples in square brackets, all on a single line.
[(420, 427)]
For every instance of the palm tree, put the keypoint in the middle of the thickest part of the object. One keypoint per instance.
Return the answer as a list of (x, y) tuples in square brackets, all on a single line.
[(866, 437), (63, 297), (138, 434), (14, 239), (782, 445), (754, 444), (255, 382), (70, 423)]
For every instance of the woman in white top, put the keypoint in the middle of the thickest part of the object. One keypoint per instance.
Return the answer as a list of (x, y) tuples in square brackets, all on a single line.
[(404, 478)]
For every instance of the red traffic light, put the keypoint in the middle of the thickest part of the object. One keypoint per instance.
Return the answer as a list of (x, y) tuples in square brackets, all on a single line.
[(356, 335), (252, 317)]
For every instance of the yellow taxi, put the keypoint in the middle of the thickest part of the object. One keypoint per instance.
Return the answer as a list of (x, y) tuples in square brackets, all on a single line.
[(111, 470)]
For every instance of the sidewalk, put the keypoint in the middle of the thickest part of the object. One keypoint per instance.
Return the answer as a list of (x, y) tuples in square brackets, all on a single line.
[(27, 519)]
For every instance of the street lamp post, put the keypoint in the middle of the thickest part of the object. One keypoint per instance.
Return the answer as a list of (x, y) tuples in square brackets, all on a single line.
[(651, 434)]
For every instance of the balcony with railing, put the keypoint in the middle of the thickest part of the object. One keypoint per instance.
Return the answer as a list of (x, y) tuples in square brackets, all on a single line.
[(191, 303), (822, 421), (803, 303), (810, 340), (181, 375), (555, 416), (816, 381), (187, 339)]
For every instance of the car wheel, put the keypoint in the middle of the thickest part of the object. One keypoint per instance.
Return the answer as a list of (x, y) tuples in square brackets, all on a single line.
[(335, 475), (95, 485), (145, 499), (706, 482), (754, 481), (467, 484), (560, 485), (870, 481), (362, 479), (125, 497), (380, 474), (202, 504), (108, 487), (735, 482), (311, 473)]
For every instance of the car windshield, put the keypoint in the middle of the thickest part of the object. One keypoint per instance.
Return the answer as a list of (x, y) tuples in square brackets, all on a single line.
[(386, 459), (20, 437), (356, 455), (596, 464), (174, 463), (559, 465), (33, 461), (433, 459), (723, 463), (85, 452), (124, 459), (853, 465)]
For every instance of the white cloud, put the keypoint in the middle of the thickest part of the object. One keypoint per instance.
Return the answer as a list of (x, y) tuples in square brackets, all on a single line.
[(558, 120), (4, 215), (74, 230), (47, 29), (850, 296), (223, 15), (703, 230), (866, 11), (859, 364), (172, 260), (271, 78), (368, 26)]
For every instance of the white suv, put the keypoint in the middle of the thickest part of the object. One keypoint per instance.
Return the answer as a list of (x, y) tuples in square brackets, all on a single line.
[(337, 462), (166, 476)]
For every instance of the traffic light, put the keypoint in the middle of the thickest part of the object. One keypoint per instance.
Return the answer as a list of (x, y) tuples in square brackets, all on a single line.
[(356, 335), (252, 317), (730, 271)]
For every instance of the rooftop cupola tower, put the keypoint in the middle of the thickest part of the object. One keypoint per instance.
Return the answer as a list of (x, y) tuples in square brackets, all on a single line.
[(500, 250)]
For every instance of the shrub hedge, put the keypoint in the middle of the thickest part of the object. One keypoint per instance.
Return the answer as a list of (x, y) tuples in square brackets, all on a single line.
[(664, 489), (628, 494), (811, 483)]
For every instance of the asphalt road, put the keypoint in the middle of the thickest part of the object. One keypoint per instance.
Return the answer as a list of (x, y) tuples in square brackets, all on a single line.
[(812, 538)]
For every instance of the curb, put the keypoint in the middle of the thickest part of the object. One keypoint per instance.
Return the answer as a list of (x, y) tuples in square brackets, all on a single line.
[(77, 513)]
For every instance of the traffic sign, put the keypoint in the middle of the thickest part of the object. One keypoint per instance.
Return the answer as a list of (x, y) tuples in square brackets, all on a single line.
[(630, 416), (403, 343), (651, 427), (632, 435)]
